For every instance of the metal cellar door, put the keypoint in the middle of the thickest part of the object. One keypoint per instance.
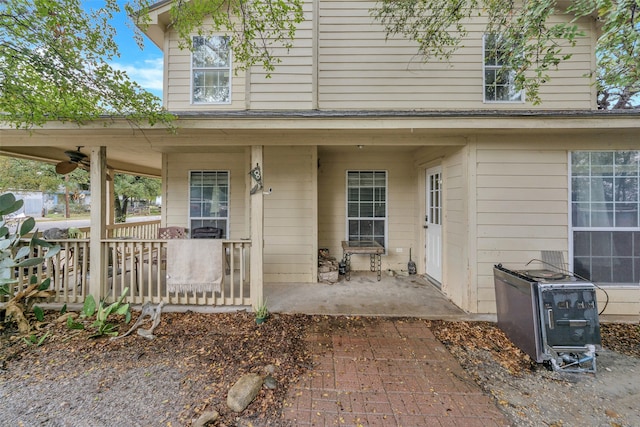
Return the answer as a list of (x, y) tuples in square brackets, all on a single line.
[(433, 225)]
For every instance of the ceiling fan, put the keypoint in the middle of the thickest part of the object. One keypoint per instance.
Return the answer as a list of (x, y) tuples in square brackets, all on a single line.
[(76, 159)]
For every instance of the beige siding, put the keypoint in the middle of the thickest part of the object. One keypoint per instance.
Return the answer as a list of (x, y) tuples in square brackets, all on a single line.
[(176, 199), (402, 203), (456, 230), (341, 60), (290, 236), (290, 85), (522, 209), (358, 69)]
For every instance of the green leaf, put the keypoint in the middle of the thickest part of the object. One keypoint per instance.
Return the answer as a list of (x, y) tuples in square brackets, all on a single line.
[(28, 225), (4, 288), (22, 252), (9, 204), (45, 284), (123, 309), (30, 262), (63, 310), (89, 307), (72, 324), (41, 340), (40, 242), (53, 251), (39, 312)]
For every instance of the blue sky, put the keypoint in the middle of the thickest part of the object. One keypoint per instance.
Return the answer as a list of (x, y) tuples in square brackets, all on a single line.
[(143, 66)]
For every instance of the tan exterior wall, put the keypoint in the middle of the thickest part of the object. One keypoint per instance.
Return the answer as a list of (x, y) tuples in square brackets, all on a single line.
[(290, 221), (176, 198), (291, 85), (341, 60), (402, 204), (522, 208), (358, 69), (456, 231)]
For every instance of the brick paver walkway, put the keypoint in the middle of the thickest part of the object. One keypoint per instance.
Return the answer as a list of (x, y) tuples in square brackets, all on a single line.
[(385, 372)]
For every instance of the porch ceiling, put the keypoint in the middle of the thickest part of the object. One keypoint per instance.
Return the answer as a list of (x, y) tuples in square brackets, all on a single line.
[(138, 149)]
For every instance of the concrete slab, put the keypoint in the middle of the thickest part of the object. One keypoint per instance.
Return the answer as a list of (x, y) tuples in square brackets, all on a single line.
[(364, 295)]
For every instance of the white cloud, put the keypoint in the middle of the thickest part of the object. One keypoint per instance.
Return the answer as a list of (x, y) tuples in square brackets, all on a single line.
[(147, 74)]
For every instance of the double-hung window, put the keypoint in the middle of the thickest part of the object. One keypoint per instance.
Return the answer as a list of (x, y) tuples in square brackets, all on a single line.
[(209, 200), (211, 70), (367, 206), (499, 79), (605, 216)]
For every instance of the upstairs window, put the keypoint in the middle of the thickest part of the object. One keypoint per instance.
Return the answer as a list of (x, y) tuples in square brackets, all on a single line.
[(367, 205), (211, 70), (499, 79)]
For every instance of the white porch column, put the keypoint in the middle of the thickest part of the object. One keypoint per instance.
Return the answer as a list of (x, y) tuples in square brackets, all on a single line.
[(98, 219), (257, 239)]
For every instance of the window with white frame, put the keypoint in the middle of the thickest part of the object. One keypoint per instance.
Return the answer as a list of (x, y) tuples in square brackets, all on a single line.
[(211, 70), (209, 200), (499, 79), (605, 216), (367, 206)]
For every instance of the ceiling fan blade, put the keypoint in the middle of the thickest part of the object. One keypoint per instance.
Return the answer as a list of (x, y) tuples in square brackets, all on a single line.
[(64, 168)]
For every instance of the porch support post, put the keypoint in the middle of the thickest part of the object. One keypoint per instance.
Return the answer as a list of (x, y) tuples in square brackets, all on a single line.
[(257, 224), (110, 201), (98, 220)]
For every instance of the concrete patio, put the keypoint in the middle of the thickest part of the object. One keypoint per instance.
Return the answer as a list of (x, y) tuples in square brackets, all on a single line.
[(364, 295)]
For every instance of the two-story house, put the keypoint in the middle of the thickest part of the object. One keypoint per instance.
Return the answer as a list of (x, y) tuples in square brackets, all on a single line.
[(356, 138)]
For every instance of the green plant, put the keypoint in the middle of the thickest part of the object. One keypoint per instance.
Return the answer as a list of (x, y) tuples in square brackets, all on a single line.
[(16, 254), (34, 340), (74, 233), (102, 312), (261, 311)]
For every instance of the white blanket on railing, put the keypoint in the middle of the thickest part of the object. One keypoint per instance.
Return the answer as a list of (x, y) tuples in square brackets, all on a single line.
[(194, 265)]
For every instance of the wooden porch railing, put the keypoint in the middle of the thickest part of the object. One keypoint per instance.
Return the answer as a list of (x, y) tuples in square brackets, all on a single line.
[(140, 265), (141, 229)]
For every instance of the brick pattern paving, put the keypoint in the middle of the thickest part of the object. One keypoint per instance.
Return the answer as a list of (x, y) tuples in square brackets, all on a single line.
[(386, 373)]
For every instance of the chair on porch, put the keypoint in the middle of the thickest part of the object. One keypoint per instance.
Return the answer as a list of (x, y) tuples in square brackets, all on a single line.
[(206, 233), (168, 233), (212, 233), (172, 232)]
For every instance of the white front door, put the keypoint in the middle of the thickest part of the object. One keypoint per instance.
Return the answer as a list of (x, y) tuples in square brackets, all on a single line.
[(433, 225)]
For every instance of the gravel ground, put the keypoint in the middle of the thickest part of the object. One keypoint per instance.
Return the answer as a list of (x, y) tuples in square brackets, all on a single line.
[(532, 395), (72, 380)]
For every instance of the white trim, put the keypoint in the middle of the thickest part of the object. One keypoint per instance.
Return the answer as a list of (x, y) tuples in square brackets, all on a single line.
[(191, 71), (484, 82), (228, 218), (386, 204), (572, 229)]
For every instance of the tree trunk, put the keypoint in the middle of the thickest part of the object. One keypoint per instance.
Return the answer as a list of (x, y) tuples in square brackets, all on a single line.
[(121, 209)]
